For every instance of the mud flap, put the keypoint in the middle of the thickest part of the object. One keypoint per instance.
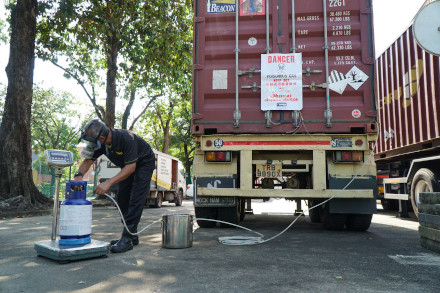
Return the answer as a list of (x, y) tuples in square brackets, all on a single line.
[(353, 205)]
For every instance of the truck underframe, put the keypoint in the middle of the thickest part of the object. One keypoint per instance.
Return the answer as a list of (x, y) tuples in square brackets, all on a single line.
[(230, 170)]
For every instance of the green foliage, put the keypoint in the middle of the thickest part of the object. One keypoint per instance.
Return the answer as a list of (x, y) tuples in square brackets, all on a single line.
[(55, 121), (155, 122), (151, 38), (3, 34), (178, 114)]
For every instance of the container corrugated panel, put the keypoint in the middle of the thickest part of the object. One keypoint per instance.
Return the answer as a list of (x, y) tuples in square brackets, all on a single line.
[(351, 64), (408, 91)]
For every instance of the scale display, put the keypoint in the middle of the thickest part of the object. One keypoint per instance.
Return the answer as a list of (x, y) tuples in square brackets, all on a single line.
[(58, 158)]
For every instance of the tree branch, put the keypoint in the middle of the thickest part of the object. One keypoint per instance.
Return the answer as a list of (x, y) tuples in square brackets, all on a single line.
[(98, 109), (145, 109), (128, 108)]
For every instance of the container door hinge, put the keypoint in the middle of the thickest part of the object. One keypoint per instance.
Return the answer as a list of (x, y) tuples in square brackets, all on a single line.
[(199, 19), (369, 60), (198, 66), (366, 11), (197, 116), (371, 113)]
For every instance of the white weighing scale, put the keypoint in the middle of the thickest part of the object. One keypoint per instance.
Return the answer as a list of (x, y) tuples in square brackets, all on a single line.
[(59, 159)]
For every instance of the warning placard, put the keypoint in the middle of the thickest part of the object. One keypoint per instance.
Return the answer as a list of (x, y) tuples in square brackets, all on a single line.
[(281, 82), (252, 7), (356, 77)]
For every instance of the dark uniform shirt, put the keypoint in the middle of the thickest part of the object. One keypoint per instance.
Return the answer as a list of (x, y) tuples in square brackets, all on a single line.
[(126, 148)]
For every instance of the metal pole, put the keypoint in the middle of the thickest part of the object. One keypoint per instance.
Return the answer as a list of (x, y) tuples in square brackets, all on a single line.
[(293, 49), (267, 114), (58, 173), (237, 114), (295, 114), (267, 29), (328, 111)]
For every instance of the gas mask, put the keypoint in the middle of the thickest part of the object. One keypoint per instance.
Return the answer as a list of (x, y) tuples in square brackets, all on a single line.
[(87, 152), (94, 144), (90, 148)]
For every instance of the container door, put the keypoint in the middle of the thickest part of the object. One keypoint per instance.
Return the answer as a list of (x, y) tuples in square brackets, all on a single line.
[(228, 49)]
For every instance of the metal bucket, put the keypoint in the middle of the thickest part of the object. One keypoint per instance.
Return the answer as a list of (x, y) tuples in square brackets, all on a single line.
[(177, 231)]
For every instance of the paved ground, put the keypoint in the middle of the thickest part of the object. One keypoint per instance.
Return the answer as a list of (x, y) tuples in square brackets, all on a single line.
[(307, 258)]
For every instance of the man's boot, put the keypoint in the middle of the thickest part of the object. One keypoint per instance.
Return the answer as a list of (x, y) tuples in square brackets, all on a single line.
[(134, 238), (125, 243)]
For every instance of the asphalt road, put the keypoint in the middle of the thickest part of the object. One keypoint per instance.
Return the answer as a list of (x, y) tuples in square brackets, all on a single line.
[(306, 258)]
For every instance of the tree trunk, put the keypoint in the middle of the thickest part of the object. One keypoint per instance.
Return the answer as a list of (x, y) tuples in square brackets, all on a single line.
[(188, 161), (112, 68), (128, 109), (166, 128), (166, 138), (15, 133)]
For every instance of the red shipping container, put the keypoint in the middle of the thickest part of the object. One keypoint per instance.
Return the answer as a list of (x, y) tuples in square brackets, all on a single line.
[(408, 91), (266, 27)]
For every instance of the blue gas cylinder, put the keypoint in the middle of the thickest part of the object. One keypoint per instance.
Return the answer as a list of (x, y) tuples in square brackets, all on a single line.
[(75, 225)]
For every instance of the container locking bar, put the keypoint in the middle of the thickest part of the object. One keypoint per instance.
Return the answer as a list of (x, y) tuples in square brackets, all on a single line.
[(293, 49), (267, 49), (250, 72), (313, 86), (254, 87), (327, 112), (237, 113), (307, 71)]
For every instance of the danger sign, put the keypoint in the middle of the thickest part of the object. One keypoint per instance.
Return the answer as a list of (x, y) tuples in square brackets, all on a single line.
[(281, 82)]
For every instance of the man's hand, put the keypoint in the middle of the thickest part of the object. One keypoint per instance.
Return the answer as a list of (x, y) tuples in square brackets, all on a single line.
[(102, 188), (122, 175)]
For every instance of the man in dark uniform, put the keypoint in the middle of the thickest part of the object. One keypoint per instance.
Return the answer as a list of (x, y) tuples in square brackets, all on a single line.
[(137, 161)]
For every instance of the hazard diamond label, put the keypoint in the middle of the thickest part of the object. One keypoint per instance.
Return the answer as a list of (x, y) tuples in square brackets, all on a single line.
[(337, 81), (356, 77)]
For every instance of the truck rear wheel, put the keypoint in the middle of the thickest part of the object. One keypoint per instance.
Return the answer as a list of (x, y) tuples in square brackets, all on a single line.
[(424, 181), (390, 204), (242, 209), (314, 214), (332, 221), (206, 213), (158, 200), (179, 198), (358, 222)]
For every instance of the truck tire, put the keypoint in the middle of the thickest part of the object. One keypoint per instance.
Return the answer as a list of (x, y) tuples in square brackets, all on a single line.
[(358, 222), (332, 221), (242, 209), (230, 215), (390, 204), (314, 214), (158, 201), (424, 181), (179, 198), (206, 213)]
